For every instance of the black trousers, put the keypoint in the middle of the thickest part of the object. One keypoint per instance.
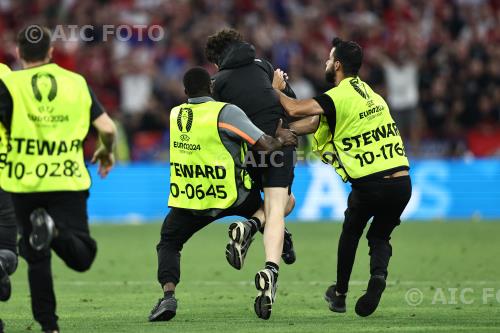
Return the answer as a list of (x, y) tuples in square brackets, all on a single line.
[(8, 224), (383, 199), (72, 244), (181, 224)]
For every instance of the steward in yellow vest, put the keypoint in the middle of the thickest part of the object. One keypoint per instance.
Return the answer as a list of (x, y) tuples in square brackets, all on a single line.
[(46, 112), (50, 120), (208, 180), (203, 173), (355, 133), (364, 143)]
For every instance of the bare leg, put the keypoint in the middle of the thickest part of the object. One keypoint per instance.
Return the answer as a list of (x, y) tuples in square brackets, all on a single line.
[(275, 202), (290, 205)]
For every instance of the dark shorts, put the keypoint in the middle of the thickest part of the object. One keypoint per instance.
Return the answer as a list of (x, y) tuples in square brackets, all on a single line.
[(275, 169)]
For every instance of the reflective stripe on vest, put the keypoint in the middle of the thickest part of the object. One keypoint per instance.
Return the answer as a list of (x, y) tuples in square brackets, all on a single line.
[(366, 138), (202, 171), (50, 120)]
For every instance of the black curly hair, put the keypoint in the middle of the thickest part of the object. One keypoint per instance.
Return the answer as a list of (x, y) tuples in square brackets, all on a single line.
[(350, 55), (218, 42), (197, 82)]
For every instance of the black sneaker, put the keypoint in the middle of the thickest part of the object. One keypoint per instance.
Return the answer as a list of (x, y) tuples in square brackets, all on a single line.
[(240, 238), (288, 254), (164, 310), (336, 303), (266, 285), (42, 229), (367, 304), (1, 326), (5, 287)]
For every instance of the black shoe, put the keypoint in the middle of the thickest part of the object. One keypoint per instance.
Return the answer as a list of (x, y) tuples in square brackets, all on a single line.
[(240, 238), (42, 229), (164, 310), (336, 303), (367, 304), (288, 254), (266, 285), (1, 326), (5, 287)]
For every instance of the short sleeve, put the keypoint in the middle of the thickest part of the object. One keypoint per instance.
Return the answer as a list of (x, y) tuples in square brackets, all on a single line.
[(96, 109), (326, 104), (329, 110), (238, 126)]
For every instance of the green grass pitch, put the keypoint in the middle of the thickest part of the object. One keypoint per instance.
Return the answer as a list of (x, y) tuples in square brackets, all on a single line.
[(443, 260)]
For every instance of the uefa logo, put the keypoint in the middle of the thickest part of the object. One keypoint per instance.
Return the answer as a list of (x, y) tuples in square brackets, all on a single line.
[(185, 120), (44, 86)]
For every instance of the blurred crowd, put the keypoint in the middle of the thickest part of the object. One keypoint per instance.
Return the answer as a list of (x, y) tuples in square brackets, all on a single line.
[(436, 62)]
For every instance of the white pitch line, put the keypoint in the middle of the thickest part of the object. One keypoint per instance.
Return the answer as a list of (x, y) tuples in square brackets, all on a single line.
[(250, 282)]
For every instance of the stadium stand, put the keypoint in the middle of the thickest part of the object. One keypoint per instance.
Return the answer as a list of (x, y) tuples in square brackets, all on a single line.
[(446, 52)]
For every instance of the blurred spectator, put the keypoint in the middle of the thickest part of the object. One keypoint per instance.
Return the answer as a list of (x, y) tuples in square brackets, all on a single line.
[(135, 72), (436, 62), (401, 77)]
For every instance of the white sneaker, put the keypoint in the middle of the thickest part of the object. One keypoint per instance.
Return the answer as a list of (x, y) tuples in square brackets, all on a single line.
[(240, 238), (266, 284)]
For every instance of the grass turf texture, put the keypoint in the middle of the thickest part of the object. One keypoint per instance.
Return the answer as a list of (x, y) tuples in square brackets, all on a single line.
[(117, 294)]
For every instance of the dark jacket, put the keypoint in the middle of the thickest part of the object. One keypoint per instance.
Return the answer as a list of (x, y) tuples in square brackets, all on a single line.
[(246, 81)]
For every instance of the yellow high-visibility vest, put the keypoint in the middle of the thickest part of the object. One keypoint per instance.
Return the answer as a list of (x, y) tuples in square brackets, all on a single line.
[(365, 139), (50, 120), (203, 174)]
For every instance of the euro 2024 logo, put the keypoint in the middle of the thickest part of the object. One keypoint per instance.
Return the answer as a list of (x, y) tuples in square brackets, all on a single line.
[(185, 122), (44, 86)]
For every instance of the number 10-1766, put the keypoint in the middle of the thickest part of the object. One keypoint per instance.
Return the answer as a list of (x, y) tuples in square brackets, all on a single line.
[(386, 151)]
